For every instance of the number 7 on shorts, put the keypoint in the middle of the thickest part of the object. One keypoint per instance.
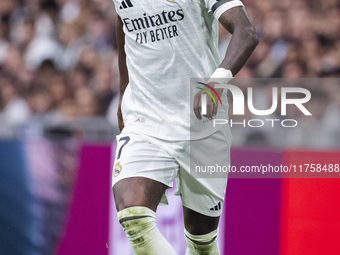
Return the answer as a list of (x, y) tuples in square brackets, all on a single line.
[(126, 139)]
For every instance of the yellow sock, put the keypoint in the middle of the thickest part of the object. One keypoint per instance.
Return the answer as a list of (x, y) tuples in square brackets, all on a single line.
[(139, 224), (202, 244)]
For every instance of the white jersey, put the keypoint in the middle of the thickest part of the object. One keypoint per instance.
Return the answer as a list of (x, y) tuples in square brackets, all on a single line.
[(168, 42)]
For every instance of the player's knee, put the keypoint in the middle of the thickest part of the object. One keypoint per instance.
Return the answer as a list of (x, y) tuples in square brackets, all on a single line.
[(198, 224), (138, 191), (202, 244), (125, 199), (122, 202)]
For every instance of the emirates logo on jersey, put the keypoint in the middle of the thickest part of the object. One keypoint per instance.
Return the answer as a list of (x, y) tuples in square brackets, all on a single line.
[(149, 21), (154, 28)]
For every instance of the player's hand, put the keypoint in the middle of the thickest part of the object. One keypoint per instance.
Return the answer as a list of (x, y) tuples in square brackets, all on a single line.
[(221, 75), (120, 116), (211, 105)]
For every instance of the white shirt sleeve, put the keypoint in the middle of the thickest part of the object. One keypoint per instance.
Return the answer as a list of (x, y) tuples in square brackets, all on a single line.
[(220, 6)]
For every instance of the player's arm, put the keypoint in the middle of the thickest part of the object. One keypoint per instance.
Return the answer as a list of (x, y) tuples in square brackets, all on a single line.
[(123, 72), (242, 44), (243, 40)]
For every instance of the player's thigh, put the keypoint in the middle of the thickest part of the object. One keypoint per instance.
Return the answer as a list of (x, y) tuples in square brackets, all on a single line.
[(203, 191), (199, 224), (142, 172), (138, 191)]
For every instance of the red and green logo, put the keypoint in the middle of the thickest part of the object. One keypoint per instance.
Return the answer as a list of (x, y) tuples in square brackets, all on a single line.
[(209, 93)]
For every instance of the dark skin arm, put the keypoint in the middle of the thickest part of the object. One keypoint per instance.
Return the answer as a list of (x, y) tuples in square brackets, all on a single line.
[(123, 72), (242, 43), (241, 46)]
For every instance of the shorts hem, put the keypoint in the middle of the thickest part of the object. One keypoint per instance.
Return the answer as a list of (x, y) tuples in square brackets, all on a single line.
[(209, 214)]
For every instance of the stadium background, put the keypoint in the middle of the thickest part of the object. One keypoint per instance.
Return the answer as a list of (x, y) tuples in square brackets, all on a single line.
[(59, 79)]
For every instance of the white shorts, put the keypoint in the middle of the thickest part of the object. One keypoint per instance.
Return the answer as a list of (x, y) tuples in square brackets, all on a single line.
[(162, 160)]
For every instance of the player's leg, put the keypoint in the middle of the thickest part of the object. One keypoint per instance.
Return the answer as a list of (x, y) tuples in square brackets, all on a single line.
[(202, 200), (200, 233), (199, 224), (141, 175), (138, 191), (136, 201), (203, 193)]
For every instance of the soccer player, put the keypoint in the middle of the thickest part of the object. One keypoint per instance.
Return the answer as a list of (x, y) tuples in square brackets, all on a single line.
[(162, 44)]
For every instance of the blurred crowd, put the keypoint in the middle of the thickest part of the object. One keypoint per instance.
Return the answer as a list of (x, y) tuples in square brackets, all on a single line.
[(58, 59), (58, 64), (299, 38)]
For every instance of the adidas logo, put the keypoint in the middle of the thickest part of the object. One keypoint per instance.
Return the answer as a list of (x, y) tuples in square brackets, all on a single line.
[(125, 4), (216, 207)]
